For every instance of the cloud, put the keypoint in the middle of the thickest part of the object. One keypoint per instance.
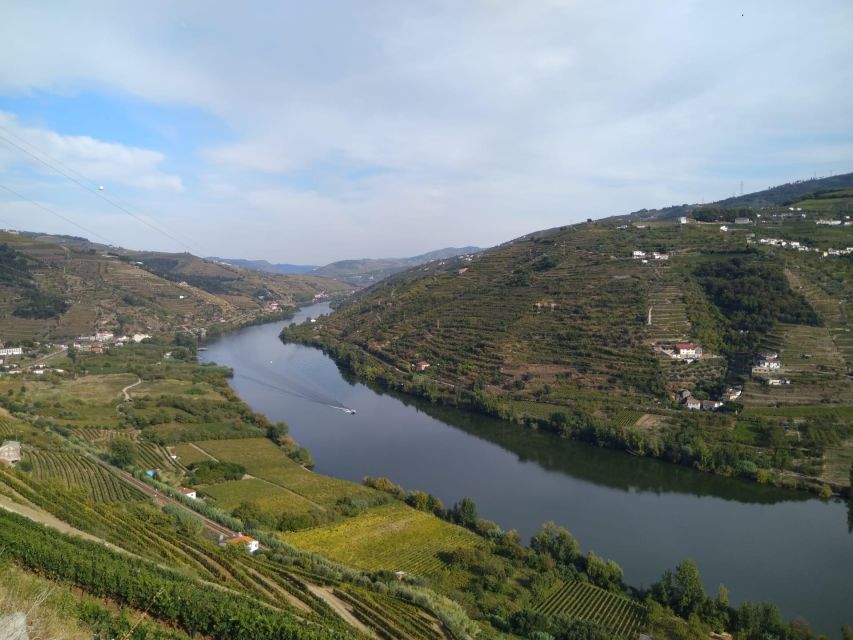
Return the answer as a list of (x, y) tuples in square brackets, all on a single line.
[(83, 157), (388, 127)]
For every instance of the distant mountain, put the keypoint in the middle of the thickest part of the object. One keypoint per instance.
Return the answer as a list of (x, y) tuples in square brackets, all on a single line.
[(269, 267), (361, 272), (366, 271), (781, 195)]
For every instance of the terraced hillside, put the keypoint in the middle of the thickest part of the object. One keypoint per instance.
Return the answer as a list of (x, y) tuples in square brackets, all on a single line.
[(573, 328), (54, 287)]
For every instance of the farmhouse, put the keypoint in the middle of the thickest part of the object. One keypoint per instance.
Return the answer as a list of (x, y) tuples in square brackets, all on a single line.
[(692, 403), (660, 256), (636, 254), (687, 351), (189, 493), (10, 452), (250, 543), (12, 351), (733, 393)]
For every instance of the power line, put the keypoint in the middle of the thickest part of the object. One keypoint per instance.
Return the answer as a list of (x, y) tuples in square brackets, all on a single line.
[(101, 195), (92, 187), (57, 214)]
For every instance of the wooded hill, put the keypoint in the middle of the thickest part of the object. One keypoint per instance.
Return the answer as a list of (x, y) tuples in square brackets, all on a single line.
[(59, 287), (564, 330), (831, 192)]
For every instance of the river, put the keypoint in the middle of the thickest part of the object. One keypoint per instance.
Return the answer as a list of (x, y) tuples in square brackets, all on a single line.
[(761, 542)]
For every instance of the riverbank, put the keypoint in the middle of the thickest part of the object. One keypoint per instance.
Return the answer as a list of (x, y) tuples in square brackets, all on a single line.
[(728, 460)]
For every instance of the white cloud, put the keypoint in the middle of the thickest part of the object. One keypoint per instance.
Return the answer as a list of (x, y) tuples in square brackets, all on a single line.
[(83, 157)]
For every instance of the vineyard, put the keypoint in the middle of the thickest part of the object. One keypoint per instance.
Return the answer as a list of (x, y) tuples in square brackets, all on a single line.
[(76, 471), (584, 601), (389, 617), (392, 537)]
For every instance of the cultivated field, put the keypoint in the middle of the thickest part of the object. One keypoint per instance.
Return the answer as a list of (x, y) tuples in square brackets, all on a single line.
[(265, 460), (584, 601), (392, 537)]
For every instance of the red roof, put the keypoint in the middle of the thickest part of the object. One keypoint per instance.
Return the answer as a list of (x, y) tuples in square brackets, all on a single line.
[(241, 539), (685, 345), (185, 490)]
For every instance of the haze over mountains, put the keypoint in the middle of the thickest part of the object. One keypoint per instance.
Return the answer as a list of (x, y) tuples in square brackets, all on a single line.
[(358, 272)]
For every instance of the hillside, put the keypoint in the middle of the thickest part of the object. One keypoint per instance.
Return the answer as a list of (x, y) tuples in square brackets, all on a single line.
[(566, 331), (833, 192), (60, 287), (367, 271), (264, 265)]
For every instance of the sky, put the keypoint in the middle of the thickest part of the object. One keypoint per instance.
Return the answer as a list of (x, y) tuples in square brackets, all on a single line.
[(308, 132)]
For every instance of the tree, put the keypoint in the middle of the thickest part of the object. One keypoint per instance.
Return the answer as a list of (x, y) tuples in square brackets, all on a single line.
[(556, 542), (464, 513), (122, 452), (688, 593), (846, 632)]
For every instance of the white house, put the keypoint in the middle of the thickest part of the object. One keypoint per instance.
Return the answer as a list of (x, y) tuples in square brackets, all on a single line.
[(660, 256), (683, 219), (638, 254), (743, 221), (189, 493), (12, 351), (688, 351), (248, 542), (10, 452), (692, 403)]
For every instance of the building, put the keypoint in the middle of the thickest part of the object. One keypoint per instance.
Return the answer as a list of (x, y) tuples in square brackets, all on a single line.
[(692, 403), (638, 254), (248, 542), (733, 393), (766, 364), (688, 351), (139, 337), (189, 493), (423, 365), (710, 405), (12, 351), (743, 220), (683, 219), (660, 256), (10, 452), (778, 382)]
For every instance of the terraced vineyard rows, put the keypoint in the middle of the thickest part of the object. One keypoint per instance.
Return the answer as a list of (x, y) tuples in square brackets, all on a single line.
[(389, 617), (76, 471), (584, 601)]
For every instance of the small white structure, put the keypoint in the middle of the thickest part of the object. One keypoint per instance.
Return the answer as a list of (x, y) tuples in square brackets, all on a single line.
[(660, 256), (688, 351), (692, 403), (10, 452), (12, 351), (139, 337), (724, 228), (189, 493), (248, 542), (638, 254), (683, 219), (743, 220)]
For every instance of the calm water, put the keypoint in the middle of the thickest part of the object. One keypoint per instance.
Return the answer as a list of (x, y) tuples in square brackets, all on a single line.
[(763, 543)]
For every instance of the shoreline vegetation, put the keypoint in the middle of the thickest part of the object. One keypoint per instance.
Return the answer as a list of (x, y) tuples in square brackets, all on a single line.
[(561, 422)]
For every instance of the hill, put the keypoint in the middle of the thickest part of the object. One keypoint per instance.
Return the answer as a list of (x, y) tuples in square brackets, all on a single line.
[(264, 265), (61, 287), (834, 188), (367, 271), (566, 330)]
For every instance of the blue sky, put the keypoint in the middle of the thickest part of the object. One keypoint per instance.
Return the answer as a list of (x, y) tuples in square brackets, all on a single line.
[(311, 132)]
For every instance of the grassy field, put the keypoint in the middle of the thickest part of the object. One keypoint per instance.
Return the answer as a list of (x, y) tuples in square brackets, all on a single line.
[(392, 537), (265, 460), (270, 498)]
